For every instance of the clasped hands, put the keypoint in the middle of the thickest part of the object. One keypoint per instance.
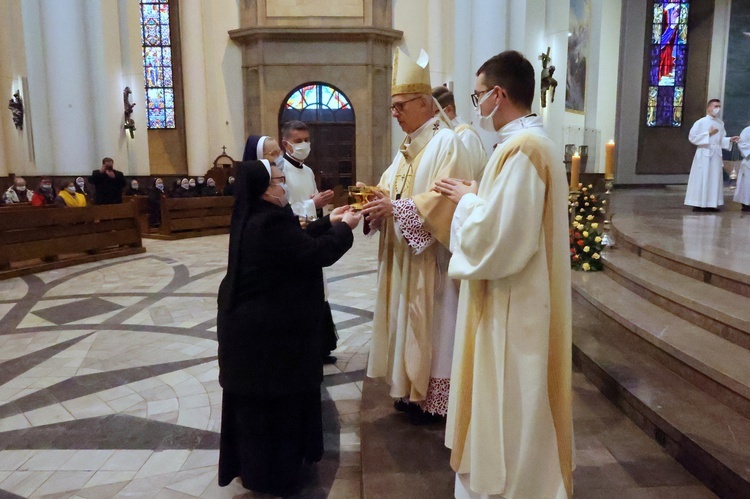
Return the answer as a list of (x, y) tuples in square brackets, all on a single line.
[(456, 188)]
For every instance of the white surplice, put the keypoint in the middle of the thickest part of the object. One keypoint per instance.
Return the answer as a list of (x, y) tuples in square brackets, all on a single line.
[(415, 308), (510, 410), (705, 187), (742, 192), (300, 180)]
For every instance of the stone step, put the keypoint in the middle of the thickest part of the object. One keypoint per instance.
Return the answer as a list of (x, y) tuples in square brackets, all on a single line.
[(709, 362), (707, 437), (697, 257), (722, 312)]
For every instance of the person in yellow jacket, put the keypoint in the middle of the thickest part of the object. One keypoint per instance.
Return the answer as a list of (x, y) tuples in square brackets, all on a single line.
[(68, 197)]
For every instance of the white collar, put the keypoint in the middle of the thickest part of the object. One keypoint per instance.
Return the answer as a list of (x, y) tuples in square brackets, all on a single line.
[(519, 124)]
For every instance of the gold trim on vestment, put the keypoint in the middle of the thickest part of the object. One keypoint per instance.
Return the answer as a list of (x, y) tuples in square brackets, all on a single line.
[(559, 356)]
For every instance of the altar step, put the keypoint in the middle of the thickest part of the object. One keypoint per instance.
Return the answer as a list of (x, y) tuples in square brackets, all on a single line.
[(672, 350), (723, 313)]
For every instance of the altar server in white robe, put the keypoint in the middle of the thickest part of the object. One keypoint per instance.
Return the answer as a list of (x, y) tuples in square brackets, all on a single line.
[(415, 308), (510, 423), (469, 137), (742, 192), (304, 197), (705, 189)]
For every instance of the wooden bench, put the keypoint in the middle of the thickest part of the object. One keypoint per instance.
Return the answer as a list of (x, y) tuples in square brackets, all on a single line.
[(36, 239), (141, 207), (192, 217)]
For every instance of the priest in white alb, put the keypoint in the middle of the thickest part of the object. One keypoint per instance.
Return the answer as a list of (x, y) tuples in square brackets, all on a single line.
[(705, 188), (510, 423), (446, 102), (415, 308), (742, 192)]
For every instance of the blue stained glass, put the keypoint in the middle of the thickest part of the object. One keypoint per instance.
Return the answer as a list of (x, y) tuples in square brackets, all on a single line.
[(165, 35), (156, 37), (167, 57), (668, 56), (167, 77)]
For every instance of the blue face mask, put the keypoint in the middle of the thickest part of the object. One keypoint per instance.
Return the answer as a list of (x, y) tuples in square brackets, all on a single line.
[(283, 200)]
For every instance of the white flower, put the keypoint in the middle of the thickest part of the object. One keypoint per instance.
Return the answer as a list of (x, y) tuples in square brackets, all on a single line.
[(594, 225), (590, 217), (586, 266), (585, 233), (597, 239), (595, 256), (586, 249), (579, 217)]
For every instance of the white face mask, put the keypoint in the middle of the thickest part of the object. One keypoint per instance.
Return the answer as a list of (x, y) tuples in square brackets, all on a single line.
[(230, 180), (301, 150), (134, 186), (192, 184), (160, 187), (715, 111), (485, 122), (71, 189), (283, 200), (21, 188), (279, 162), (80, 184)]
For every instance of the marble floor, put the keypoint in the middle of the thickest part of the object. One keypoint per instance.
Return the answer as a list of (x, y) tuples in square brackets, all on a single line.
[(108, 383)]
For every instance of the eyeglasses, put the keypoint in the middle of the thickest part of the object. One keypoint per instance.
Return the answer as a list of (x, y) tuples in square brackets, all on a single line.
[(399, 106), (281, 179), (476, 95)]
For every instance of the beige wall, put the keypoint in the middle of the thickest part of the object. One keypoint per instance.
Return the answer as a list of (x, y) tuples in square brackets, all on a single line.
[(352, 53)]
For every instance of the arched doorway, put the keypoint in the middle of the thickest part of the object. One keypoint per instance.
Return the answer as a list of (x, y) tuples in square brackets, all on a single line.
[(329, 114)]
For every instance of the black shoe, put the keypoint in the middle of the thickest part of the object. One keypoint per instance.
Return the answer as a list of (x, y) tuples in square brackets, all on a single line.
[(418, 417), (746, 207), (329, 359), (401, 405)]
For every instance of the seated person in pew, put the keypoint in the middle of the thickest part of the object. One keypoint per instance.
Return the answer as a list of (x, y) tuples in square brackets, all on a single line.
[(68, 197), (134, 189), (82, 188), (210, 189), (184, 191), (155, 195), (44, 195), (200, 184), (17, 193), (229, 188)]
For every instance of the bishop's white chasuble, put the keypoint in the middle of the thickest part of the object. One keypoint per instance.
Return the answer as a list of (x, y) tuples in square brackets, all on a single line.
[(414, 321)]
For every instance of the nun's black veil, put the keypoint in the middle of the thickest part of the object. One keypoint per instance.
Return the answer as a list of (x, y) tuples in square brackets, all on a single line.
[(251, 181)]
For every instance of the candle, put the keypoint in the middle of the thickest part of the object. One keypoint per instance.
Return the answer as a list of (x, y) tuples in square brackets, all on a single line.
[(609, 161), (575, 169)]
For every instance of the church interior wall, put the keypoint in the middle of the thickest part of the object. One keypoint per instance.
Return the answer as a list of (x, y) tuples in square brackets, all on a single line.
[(736, 107), (14, 144)]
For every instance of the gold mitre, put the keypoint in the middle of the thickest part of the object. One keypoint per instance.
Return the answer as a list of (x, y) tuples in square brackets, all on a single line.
[(410, 77)]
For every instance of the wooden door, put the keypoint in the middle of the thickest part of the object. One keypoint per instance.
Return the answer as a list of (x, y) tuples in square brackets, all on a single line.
[(332, 154)]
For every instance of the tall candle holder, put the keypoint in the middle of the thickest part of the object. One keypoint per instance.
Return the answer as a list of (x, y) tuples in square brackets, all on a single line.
[(608, 239)]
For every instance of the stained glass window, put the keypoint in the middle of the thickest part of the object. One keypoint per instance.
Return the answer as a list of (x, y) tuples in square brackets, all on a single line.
[(668, 61), (317, 102), (157, 63)]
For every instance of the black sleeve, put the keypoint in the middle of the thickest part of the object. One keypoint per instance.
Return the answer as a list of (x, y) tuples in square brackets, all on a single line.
[(96, 175), (289, 244), (319, 226), (120, 180)]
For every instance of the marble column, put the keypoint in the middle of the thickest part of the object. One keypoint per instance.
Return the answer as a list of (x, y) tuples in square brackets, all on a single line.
[(195, 88)]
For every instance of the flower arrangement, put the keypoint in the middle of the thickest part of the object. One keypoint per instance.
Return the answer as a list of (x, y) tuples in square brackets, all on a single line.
[(587, 212)]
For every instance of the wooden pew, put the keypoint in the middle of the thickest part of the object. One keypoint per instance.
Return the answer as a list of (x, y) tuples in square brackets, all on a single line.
[(36, 239), (192, 217), (141, 206)]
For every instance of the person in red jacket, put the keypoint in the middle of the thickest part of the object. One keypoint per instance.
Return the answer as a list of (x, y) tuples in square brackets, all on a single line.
[(44, 195)]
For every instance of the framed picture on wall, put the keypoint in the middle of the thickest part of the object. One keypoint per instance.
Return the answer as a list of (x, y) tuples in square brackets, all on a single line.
[(578, 51)]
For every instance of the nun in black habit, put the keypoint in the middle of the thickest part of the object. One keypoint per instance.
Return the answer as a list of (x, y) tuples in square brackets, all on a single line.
[(270, 367)]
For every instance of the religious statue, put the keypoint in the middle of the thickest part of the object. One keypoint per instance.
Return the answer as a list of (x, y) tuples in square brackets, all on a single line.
[(129, 122), (16, 106), (547, 82)]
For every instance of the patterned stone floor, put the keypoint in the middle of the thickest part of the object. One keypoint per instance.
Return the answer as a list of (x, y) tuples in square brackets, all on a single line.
[(108, 387), (108, 376)]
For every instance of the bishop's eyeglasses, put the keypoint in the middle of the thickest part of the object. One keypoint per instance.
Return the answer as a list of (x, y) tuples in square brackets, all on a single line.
[(399, 106)]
